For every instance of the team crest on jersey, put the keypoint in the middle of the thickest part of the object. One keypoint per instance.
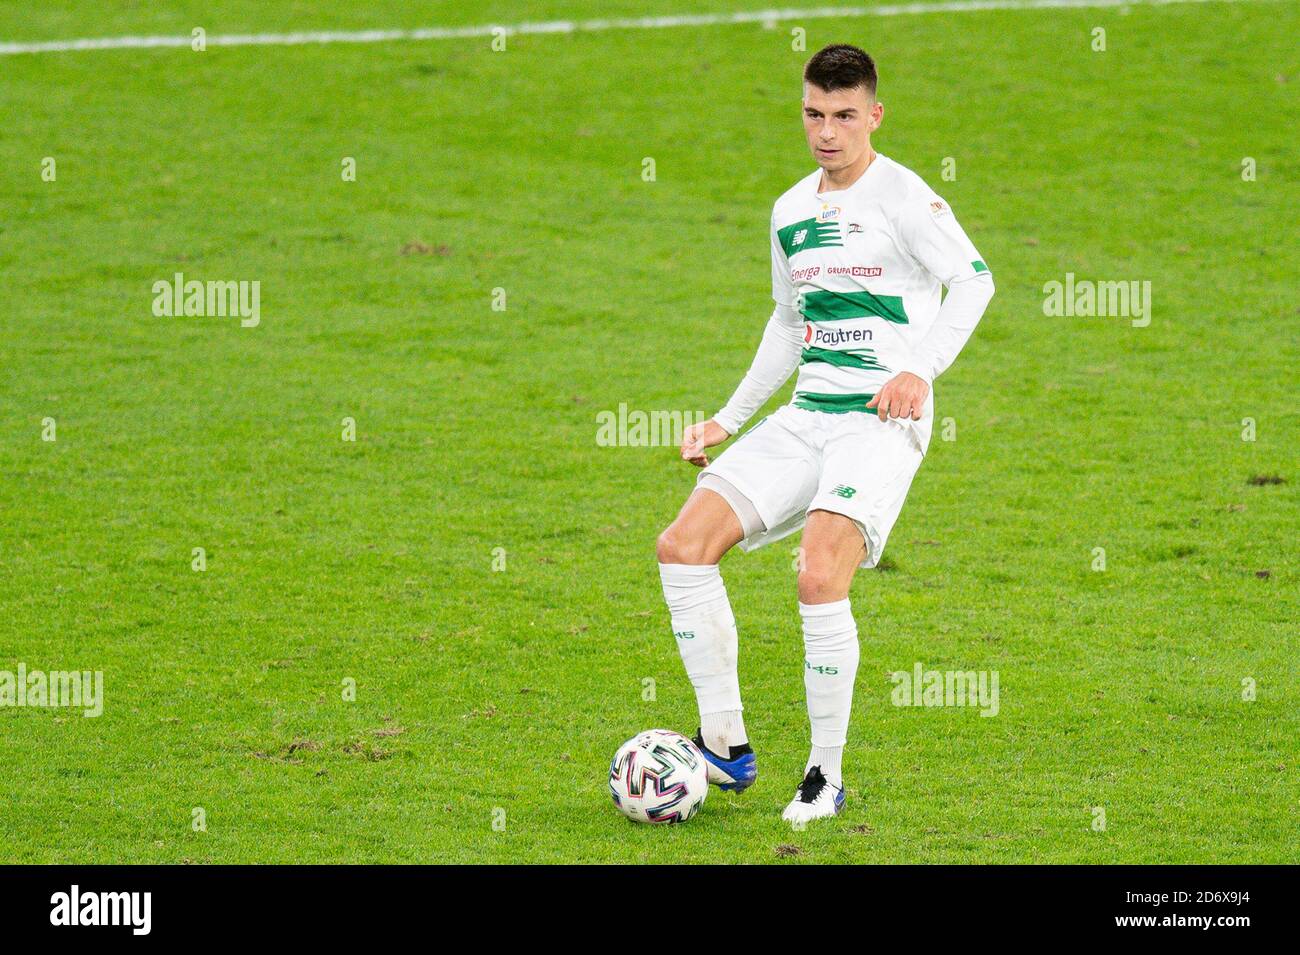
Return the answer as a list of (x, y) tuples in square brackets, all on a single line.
[(938, 208), (829, 214)]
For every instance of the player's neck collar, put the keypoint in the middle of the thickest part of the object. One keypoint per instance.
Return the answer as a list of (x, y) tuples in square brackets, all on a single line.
[(855, 184)]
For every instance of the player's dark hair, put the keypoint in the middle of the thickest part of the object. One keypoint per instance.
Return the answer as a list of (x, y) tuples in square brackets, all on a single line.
[(841, 67)]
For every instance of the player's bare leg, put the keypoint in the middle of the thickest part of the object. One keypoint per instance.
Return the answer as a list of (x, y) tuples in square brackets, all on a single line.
[(833, 548), (705, 629), (704, 530)]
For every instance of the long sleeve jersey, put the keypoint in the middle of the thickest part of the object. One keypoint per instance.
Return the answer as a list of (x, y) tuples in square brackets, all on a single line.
[(857, 277)]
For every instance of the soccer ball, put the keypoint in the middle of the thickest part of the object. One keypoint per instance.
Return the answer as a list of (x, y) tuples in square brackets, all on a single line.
[(658, 776)]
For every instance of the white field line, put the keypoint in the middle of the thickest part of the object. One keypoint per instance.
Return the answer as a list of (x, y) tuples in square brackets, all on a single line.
[(766, 17)]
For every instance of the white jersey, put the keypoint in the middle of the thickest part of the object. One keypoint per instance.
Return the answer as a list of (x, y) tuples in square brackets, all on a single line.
[(864, 266), (858, 276)]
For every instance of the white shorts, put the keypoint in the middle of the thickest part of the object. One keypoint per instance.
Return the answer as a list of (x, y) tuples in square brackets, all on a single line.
[(795, 461)]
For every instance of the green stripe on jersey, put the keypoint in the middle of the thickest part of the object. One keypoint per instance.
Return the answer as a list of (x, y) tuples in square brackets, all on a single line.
[(849, 358), (979, 266), (823, 306), (808, 234), (831, 404)]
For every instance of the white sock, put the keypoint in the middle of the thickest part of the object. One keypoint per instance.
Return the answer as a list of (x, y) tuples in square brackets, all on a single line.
[(721, 731), (830, 759), (705, 631), (830, 637)]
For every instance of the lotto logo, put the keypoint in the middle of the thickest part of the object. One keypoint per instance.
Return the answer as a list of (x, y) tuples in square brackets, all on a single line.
[(844, 491)]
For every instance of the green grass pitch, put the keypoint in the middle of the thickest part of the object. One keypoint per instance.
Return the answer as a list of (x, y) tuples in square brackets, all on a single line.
[(488, 702)]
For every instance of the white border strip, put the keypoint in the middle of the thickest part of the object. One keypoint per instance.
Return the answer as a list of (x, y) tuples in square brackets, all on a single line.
[(766, 17)]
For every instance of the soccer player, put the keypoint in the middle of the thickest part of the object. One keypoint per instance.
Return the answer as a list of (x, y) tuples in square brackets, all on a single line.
[(860, 250)]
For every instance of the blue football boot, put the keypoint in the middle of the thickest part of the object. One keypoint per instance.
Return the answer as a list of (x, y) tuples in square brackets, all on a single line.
[(736, 772)]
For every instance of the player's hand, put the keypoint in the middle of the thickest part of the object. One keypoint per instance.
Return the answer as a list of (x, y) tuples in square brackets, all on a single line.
[(902, 397), (700, 436)]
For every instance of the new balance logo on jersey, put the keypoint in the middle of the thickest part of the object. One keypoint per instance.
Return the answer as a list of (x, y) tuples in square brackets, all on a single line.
[(808, 234), (844, 491)]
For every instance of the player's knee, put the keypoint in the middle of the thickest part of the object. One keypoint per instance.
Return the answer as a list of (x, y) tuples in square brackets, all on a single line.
[(675, 547), (818, 586)]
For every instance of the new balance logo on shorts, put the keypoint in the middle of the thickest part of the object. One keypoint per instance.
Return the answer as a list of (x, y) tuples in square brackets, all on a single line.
[(844, 491)]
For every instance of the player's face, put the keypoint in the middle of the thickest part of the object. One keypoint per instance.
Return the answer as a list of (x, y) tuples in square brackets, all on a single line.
[(839, 125)]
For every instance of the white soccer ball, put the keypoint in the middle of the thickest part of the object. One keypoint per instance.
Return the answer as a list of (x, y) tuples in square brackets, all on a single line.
[(658, 776)]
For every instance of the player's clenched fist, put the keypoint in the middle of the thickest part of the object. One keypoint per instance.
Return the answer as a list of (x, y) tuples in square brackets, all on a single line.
[(902, 397), (700, 436)]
